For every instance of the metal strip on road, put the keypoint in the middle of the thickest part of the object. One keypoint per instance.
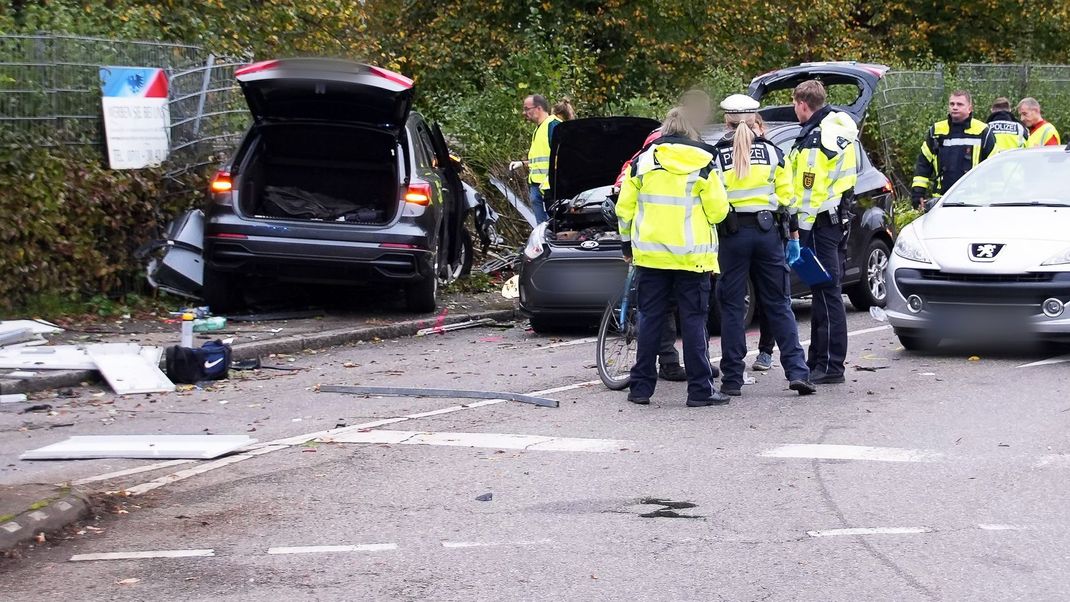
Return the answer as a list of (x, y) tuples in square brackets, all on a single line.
[(368, 547), (820, 451), (1062, 359), (870, 531), (447, 393), (143, 555)]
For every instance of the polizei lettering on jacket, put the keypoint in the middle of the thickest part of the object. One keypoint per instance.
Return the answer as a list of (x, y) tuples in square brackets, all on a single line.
[(759, 155)]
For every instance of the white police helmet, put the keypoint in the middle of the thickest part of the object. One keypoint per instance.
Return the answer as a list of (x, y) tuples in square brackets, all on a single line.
[(740, 103)]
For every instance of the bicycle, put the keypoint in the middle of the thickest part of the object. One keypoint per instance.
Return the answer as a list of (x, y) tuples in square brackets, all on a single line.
[(618, 336)]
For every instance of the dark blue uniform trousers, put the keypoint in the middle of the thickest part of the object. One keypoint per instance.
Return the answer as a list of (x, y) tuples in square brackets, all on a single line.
[(752, 251), (692, 292), (828, 322)]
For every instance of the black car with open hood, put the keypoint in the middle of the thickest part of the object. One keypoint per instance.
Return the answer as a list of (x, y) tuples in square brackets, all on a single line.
[(572, 264)]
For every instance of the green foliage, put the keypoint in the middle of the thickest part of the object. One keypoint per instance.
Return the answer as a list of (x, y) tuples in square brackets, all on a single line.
[(71, 225)]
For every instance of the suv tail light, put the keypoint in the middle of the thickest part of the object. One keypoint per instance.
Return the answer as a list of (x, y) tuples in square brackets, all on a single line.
[(418, 193), (221, 182)]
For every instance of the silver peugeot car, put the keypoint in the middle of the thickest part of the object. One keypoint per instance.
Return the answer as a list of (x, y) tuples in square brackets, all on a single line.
[(991, 260)]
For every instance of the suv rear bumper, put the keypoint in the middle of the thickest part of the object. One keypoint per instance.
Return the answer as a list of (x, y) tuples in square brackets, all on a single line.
[(307, 260)]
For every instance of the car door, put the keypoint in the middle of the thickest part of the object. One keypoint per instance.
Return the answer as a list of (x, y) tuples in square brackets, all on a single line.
[(453, 202)]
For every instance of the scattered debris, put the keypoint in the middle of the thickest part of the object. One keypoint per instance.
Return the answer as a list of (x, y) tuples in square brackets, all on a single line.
[(486, 497), (129, 374), (130, 581), (446, 393), (197, 447), (511, 288), (21, 335), (451, 327), (668, 508), (869, 368), (974, 358), (12, 398), (41, 407)]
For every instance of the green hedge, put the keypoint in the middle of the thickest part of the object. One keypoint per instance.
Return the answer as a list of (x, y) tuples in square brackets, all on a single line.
[(70, 224)]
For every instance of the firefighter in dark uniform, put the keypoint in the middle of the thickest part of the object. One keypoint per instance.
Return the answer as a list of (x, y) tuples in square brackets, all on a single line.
[(824, 163), (952, 147), (762, 219)]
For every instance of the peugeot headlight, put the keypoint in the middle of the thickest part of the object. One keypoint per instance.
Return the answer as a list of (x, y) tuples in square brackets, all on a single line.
[(536, 241), (1060, 258), (908, 245)]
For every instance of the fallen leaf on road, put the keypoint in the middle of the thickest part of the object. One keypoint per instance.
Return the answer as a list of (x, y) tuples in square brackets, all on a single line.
[(130, 581), (974, 358), (39, 538)]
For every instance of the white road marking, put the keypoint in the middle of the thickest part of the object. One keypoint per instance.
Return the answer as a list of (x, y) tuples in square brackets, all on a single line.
[(143, 555), (851, 452), (1062, 359), (482, 544), (201, 469), (130, 471), (569, 343), (301, 439), (488, 440), (999, 527), (368, 547), (870, 531)]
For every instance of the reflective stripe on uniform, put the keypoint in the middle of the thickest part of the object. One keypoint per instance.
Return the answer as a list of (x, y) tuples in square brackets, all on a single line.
[(657, 247), (961, 142)]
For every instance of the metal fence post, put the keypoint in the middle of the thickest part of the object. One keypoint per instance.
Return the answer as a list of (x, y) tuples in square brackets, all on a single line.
[(204, 92)]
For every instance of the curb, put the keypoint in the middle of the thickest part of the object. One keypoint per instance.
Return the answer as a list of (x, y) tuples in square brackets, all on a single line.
[(287, 344), (72, 506)]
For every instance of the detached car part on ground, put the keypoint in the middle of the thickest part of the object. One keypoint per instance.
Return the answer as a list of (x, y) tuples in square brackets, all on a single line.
[(572, 263), (336, 182), (991, 260)]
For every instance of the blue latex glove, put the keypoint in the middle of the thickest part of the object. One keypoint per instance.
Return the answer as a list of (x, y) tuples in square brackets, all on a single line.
[(793, 250)]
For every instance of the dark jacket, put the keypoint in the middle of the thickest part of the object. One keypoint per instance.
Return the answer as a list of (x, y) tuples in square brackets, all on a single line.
[(949, 151)]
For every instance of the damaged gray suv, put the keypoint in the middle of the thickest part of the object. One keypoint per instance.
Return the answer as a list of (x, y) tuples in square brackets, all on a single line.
[(338, 182)]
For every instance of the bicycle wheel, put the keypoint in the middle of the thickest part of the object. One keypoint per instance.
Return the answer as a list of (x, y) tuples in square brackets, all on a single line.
[(617, 344)]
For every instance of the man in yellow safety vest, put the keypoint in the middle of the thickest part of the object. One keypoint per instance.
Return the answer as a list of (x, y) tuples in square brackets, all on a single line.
[(537, 110)]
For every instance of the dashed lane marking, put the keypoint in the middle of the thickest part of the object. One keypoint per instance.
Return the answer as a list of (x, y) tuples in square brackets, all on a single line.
[(143, 555), (488, 440), (851, 452), (368, 547), (870, 531), (491, 544), (999, 527)]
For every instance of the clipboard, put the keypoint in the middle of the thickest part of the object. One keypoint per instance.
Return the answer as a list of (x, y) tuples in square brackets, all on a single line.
[(809, 268)]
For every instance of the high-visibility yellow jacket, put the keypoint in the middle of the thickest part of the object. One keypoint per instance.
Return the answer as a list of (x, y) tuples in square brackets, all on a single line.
[(539, 154), (1043, 134), (669, 204), (768, 186), (1008, 132), (948, 152), (824, 163)]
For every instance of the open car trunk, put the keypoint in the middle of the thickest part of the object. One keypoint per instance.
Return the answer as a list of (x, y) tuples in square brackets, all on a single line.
[(586, 156), (328, 173)]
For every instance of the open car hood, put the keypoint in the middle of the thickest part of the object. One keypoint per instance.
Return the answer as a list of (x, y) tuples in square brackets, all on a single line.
[(865, 76), (326, 90), (588, 153)]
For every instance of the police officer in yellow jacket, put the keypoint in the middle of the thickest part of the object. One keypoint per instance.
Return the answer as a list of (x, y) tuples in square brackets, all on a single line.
[(952, 147), (1009, 133), (824, 165), (763, 217), (667, 209)]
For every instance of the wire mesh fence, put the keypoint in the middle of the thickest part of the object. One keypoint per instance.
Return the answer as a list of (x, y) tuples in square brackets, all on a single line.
[(908, 102)]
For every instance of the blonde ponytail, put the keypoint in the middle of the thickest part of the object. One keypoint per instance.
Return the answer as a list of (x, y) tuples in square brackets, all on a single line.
[(744, 138)]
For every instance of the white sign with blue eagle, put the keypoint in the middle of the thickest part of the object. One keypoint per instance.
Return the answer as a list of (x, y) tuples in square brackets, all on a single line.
[(136, 118)]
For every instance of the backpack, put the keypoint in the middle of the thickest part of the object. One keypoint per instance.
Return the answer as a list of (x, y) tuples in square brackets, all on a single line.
[(192, 365)]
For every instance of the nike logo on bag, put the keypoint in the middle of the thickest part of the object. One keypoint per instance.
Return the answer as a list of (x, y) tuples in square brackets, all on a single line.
[(209, 365)]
